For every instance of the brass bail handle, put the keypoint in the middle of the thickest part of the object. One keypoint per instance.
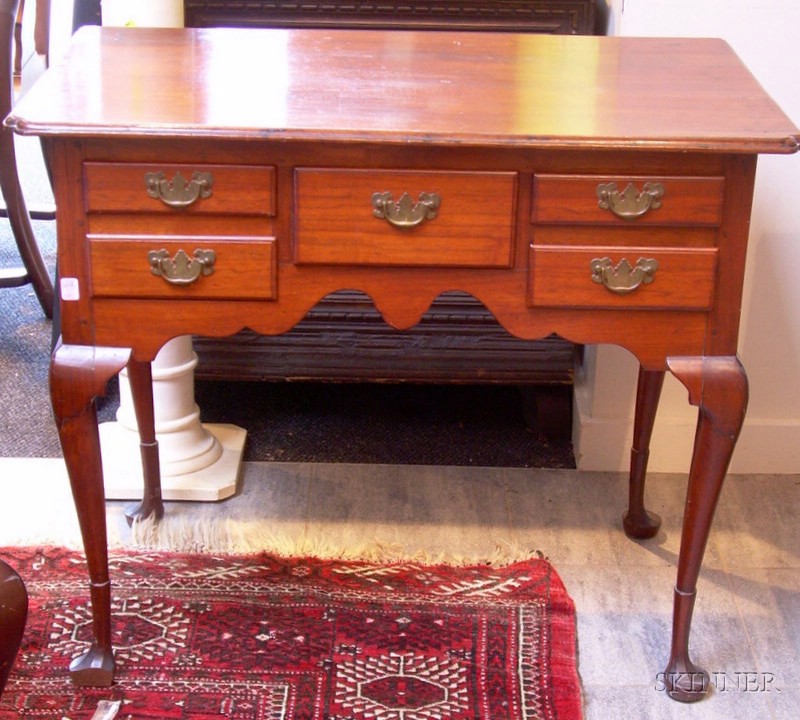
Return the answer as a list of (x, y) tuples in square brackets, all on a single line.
[(181, 270), (630, 203), (178, 193), (405, 213), (624, 278)]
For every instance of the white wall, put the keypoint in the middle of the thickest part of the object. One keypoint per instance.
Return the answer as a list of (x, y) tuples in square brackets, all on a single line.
[(764, 34)]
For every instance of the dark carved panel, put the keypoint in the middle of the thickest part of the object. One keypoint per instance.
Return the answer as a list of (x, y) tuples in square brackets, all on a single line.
[(344, 338), (542, 16)]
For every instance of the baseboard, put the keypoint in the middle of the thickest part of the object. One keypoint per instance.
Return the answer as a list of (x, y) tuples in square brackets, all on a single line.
[(766, 445)]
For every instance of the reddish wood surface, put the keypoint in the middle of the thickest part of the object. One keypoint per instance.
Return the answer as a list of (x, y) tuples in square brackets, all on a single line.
[(638, 522), (718, 387), (542, 91), (243, 189), (686, 201), (684, 279), (460, 340), (78, 374), (390, 105), (244, 267), (473, 227), (140, 376)]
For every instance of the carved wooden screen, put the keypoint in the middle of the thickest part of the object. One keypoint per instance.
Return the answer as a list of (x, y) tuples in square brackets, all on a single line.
[(542, 16)]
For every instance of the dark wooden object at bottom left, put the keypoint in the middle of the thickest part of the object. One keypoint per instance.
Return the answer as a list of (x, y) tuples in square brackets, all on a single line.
[(13, 615)]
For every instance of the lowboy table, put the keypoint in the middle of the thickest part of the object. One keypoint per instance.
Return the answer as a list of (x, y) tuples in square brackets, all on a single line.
[(211, 180)]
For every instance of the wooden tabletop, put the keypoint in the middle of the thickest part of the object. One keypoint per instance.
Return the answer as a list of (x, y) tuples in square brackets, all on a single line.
[(399, 86)]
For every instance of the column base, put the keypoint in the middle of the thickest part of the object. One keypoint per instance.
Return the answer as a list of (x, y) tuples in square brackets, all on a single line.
[(123, 475)]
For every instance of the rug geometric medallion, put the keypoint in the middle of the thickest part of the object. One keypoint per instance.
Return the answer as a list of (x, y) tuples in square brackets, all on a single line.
[(260, 637)]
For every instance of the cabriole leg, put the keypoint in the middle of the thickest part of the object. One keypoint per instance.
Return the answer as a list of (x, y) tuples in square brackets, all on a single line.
[(78, 374), (718, 387)]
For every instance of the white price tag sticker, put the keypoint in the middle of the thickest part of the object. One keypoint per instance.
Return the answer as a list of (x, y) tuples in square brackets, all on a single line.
[(70, 289)]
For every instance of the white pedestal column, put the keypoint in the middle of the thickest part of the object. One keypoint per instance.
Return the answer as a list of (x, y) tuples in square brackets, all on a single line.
[(142, 13), (198, 462)]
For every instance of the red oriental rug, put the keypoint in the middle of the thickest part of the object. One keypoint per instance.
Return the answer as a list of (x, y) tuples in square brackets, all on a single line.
[(261, 637)]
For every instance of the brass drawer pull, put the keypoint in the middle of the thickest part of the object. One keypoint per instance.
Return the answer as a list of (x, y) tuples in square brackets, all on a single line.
[(623, 278), (405, 213), (630, 203), (181, 270), (178, 193)]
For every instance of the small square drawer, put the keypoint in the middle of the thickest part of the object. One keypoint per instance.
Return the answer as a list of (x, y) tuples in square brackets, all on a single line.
[(183, 267), (165, 188), (599, 200), (404, 218), (631, 277)]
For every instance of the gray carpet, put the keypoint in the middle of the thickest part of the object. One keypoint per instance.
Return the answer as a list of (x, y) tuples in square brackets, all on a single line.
[(26, 425), (290, 422)]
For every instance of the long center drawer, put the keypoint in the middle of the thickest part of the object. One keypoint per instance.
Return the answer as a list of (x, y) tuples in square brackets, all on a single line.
[(380, 217)]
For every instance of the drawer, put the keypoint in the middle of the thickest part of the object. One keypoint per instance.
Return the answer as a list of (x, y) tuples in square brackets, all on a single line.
[(631, 277), (397, 217), (164, 188), (241, 268), (600, 200)]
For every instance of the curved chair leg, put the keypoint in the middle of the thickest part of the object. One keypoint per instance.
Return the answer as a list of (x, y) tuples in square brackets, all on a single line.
[(13, 614), (718, 387), (35, 271)]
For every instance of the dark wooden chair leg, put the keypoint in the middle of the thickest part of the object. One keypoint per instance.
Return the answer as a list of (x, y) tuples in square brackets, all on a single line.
[(35, 271), (17, 72), (639, 523), (13, 614), (78, 374), (141, 379), (718, 387)]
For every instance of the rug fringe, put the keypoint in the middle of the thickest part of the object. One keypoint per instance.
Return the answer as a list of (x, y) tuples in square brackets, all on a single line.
[(232, 536)]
